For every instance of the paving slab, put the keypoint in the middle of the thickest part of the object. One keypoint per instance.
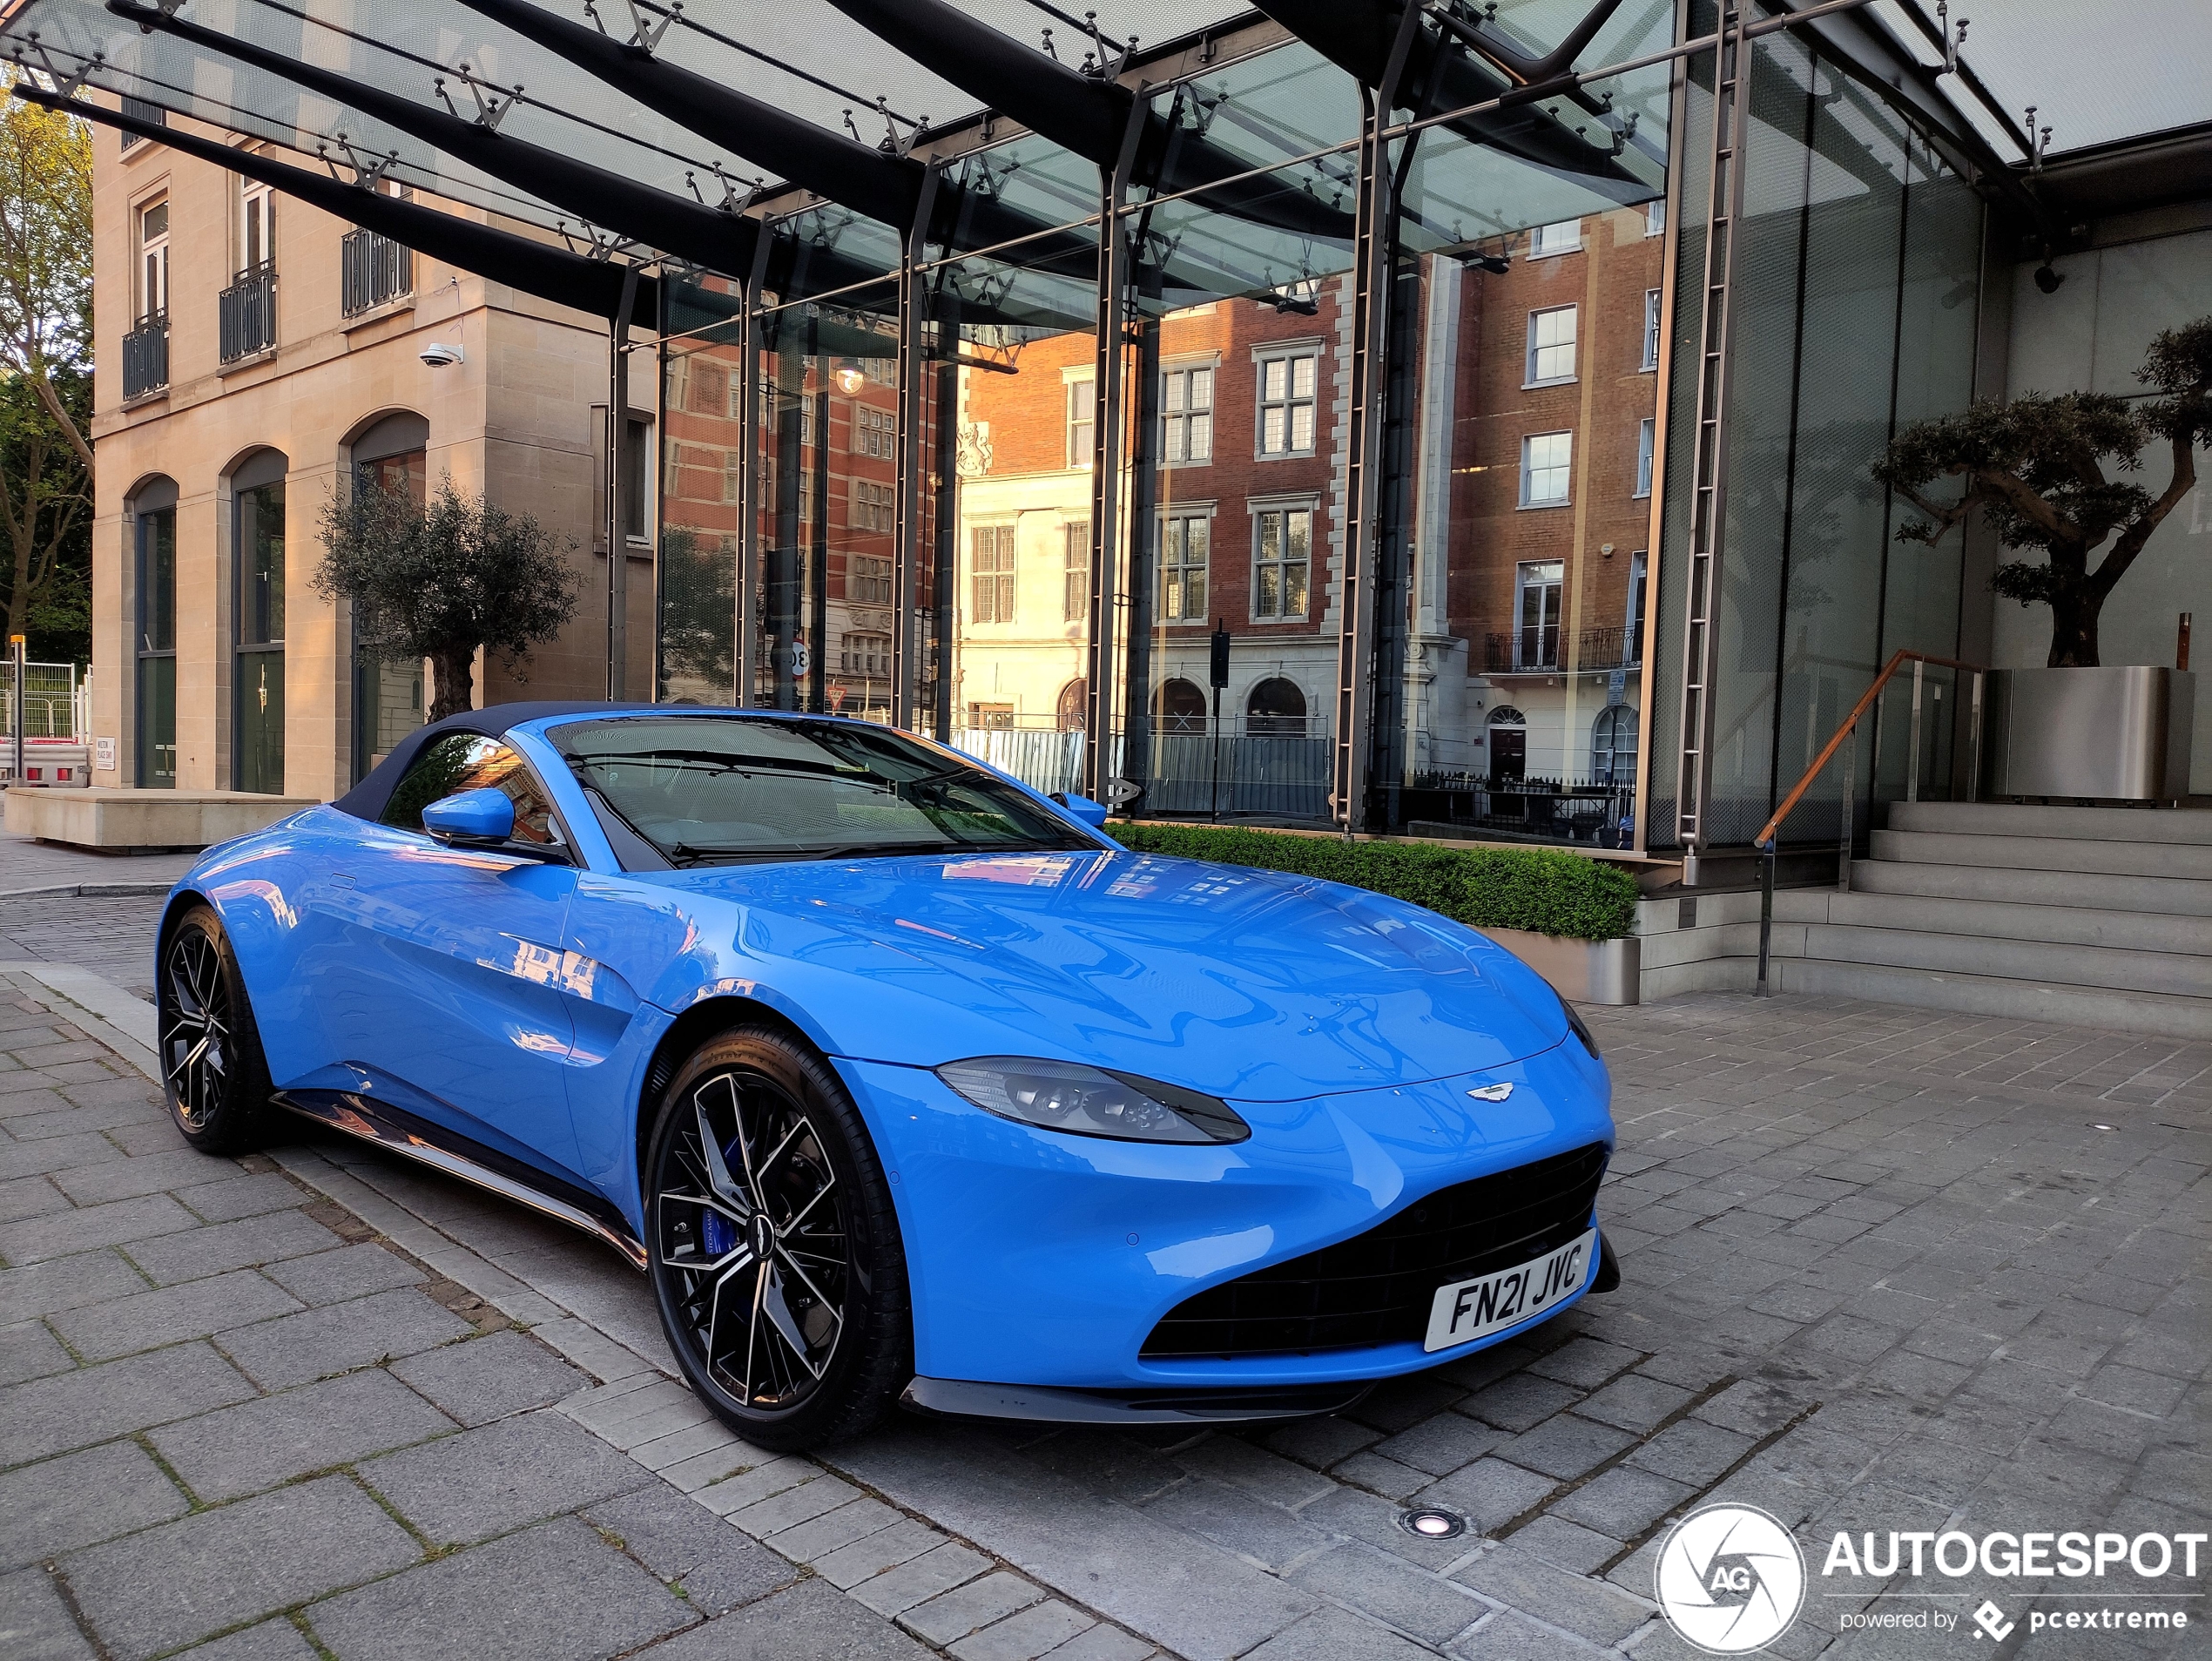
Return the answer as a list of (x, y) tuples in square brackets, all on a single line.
[(316, 1343), (489, 1377), (257, 1444), (224, 1567), (499, 1476), (80, 1499), (809, 1621), (50, 1416), (715, 1567), (555, 1592)]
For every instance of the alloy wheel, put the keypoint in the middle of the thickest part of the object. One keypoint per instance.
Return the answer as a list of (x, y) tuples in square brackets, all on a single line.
[(196, 1025), (751, 1229)]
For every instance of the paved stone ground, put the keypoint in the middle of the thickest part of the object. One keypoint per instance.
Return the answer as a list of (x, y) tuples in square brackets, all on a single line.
[(110, 935), (1885, 1269), (28, 865)]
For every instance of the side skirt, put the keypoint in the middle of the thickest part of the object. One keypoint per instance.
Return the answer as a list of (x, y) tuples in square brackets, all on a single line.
[(402, 1133)]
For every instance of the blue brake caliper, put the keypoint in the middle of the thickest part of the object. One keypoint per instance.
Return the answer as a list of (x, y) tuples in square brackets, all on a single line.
[(720, 1234)]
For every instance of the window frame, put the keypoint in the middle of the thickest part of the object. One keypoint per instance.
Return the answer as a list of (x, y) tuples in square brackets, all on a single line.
[(1651, 323), (1647, 454), (1081, 422), (1182, 617), (1001, 578), (1546, 579), (1530, 503), (1542, 244), (1261, 511), (149, 248), (1533, 363), (1183, 420), (1074, 571), (1290, 355), (253, 224)]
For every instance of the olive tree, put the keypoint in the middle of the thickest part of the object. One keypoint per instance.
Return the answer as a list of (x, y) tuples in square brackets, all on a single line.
[(2037, 468), (442, 579)]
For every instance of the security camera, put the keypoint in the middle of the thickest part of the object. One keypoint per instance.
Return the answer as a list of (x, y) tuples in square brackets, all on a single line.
[(2048, 277), (438, 354)]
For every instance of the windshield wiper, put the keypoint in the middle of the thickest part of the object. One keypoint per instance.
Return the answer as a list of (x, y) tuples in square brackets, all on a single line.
[(690, 854)]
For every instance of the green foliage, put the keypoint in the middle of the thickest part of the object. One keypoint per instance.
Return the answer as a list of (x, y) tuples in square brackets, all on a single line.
[(2037, 469), (698, 608), (1541, 890), (46, 517), (439, 580)]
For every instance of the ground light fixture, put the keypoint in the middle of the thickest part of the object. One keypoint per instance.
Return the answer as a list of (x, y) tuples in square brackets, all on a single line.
[(1433, 1522)]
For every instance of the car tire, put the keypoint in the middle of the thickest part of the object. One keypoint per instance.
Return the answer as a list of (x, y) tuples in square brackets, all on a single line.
[(773, 1245), (214, 1075)]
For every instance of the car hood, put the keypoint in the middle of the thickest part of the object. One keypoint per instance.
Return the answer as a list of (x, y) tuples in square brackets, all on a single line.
[(1247, 984)]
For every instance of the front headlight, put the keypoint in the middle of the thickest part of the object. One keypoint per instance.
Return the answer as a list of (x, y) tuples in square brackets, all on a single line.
[(1090, 1101), (1575, 1022)]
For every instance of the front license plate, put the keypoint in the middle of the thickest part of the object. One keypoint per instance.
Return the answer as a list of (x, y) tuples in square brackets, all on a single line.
[(1467, 1310)]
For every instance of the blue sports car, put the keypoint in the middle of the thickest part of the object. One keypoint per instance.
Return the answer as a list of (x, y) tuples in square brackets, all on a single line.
[(898, 1079)]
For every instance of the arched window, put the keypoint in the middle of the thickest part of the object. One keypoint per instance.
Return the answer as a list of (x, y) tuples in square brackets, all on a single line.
[(391, 454), (1074, 709), (257, 610), (1613, 745), (153, 519), (1179, 706), (1508, 743), (1276, 708)]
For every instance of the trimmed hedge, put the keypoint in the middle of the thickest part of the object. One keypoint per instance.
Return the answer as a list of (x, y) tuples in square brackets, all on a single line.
[(1537, 889)]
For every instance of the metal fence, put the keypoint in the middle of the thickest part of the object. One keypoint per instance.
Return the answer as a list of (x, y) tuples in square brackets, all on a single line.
[(145, 356), (57, 701), (247, 314), (372, 269), (1274, 778)]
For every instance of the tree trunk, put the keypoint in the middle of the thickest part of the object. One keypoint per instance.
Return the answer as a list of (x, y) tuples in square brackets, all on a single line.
[(2073, 630), (453, 674)]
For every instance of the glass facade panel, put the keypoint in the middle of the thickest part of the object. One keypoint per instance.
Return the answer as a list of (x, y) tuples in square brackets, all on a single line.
[(702, 458)]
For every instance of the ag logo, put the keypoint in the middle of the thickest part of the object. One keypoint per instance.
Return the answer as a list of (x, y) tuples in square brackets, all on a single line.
[(1731, 1579)]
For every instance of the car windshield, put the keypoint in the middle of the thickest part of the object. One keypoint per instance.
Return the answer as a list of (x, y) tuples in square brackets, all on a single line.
[(708, 790)]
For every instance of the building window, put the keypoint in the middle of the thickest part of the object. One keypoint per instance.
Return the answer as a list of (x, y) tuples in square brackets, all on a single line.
[(871, 432), (1081, 422), (1647, 434), (871, 508), (636, 446), (867, 580), (1282, 554), (868, 655), (1638, 564), (256, 227), (1651, 330), (1286, 403), (154, 262), (1071, 713), (1613, 745), (1538, 583), (1565, 237), (1547, 459), (732, 473), (1179, 706), (1551, 346), (991, 717), (1075, 569), (1185, 541), (257, 758), (1186, 415), (1655, 217), (991, 570), (145, 112), (1276, 709), (157, 648)]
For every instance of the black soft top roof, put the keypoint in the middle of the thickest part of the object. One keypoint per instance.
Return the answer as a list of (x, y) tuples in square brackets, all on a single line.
[(367, 800)]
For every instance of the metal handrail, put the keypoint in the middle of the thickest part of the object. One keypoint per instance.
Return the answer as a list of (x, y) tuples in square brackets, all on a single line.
[(1765, 840)]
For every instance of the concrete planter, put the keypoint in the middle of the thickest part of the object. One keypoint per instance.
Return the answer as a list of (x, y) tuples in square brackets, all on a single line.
[(132, 818), (1583, 971), (2105, 734)]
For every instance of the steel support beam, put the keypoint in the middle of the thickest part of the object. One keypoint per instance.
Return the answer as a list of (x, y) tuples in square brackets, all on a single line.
[(1370, 372), (617, 447), (905, 545), (1732, 66)]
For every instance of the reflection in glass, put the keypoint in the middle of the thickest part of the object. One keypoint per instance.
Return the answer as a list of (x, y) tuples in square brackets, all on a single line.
[(156, 649)]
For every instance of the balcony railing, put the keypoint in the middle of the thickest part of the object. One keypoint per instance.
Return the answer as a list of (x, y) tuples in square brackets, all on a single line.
[(145, 357), (374, 269), (1538, 650), (249, 314)]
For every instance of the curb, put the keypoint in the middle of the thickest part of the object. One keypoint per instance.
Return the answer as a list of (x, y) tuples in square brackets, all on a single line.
[(87, 890)]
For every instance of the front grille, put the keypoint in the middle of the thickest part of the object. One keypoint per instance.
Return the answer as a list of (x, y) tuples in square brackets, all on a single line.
[(1376, 1287)]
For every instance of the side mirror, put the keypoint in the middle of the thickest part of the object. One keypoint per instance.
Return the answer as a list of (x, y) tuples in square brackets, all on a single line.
[(1092, 813), (481, 818)]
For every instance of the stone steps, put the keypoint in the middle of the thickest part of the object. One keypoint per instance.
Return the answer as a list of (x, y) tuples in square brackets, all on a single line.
[(2086, 915)]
